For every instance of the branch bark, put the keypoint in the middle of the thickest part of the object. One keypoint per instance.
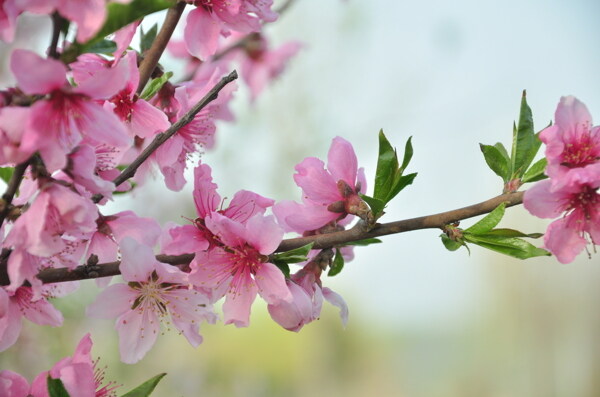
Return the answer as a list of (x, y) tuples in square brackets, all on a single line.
[(323, 241), (163, 136), (152, 56)]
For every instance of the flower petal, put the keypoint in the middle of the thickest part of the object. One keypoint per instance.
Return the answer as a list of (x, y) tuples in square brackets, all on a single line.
[(342, 162), (271, 284), (36, 75)]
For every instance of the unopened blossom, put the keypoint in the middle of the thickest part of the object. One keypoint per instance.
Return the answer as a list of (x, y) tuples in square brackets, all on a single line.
[(308, 294), (60, 121), (259, 64), (214, 18), (578, 206), (21, 303), (198, 236), (327, 194), (155, 293), (572, 144), (240, 267)]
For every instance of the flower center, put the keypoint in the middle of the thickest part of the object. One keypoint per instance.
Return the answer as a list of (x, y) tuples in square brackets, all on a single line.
[(584, 149)]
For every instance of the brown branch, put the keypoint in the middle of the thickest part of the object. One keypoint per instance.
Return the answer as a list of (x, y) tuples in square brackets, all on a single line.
[(152, 56), (11, 190), (322, 241), (163, 136), (57, 22)]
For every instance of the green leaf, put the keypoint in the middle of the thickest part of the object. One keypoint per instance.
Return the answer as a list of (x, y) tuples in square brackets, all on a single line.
[(525, 142), (402, 182), (512, 233), (488, 222), (146, 388), (376, 205), (536, 172), (363, 243), (387, 165), (450, 244), (283, 266), (6, 173), (337, 265), (56, 388), (107, 47), (496, 161), (294, 256), (408, 153), (155, 85), (147, 38), (511, 246)]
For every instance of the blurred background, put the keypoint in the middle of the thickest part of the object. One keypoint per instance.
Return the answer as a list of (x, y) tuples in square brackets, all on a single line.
[(423, 321)]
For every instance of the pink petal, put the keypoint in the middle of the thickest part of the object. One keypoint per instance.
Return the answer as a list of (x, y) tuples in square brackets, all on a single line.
[(570, 112), (206, 198), (89, 16), (299, 218), (246, 204), (271, 284), (336, 300), (114, 301), (12, 384), (42, 312), (201, 33), (36, 75), (106, 82), (185, 239), (263, 233), (341, 161), (138, 261), (128, 224), (10, 326), (147, 121), (138, 330), (231, 233), (78, 379), (211, 269), (317, 184), (236, 309), (540, 201), (123, 38), (565, 243), (293, 315)]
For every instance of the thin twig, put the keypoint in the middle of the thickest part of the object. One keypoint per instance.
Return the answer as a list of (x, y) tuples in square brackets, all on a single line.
[(11, 189), (163, 136), (57, 22), (152, 56), (322, 241)]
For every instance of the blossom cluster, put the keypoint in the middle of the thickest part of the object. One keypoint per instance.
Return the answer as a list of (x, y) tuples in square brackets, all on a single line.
[(572, 190), (72, 126)]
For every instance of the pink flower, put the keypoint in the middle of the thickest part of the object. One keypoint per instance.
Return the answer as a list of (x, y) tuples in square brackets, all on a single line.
[(199, 237), (572, 144), (213, 18), (154, 291), (580, 204), (328, 195), (13, 121), (21, 303), (143, 119), (259, 65), (78, 374), (58, 124), (307, 302), (172, 156), (241, 265), (57, 216)]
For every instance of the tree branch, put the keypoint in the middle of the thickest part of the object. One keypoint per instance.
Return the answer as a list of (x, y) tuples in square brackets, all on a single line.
[(152, 56), (322, 241), (11, 190), (57, 22), (163, 136)]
